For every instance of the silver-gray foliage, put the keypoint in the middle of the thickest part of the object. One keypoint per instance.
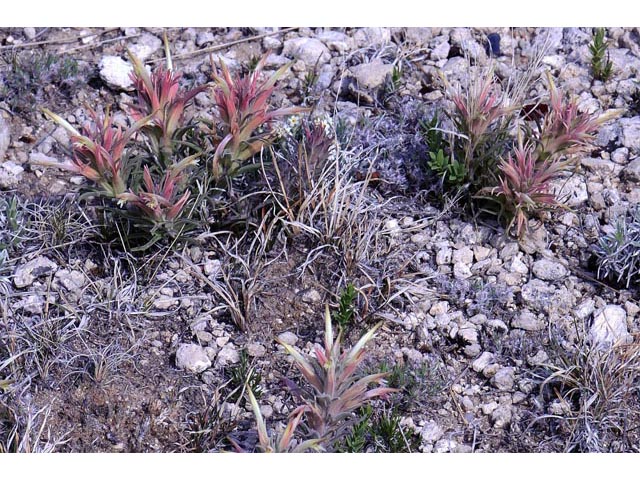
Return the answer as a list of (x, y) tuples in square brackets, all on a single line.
[(619, 251)]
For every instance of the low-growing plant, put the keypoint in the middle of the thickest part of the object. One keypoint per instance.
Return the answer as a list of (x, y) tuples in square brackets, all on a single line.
[(396, 76), (448, 169), (29, 77), (243, 373), (245, 115), (158, 210), (433, 134), (208, 428), (378, 431), (301, 166), (99, 153), (389, 436), (420, 383), (596, 396), (357, 439), (451, 172), (285, 442), (319, 192), (618, 251), (601, 66), (392, 83), (161, 105), (335, 387), (10, 228), (335, 390), (309, 82), (564, 130), (481, 118), (525, 185), (346, 307), (147, 174), (517, 170)]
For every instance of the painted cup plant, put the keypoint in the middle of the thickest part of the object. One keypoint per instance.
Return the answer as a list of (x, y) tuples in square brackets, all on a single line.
[(335, 389), (99, 153), (245, 115), (498, 167), (285, 442), (160, 202), (525, 183), (160, 99), (564, 130), (480, 117), (149, 170), (335, 386)]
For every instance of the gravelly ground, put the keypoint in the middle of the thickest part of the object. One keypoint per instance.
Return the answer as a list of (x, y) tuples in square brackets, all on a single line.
[(497, 338)]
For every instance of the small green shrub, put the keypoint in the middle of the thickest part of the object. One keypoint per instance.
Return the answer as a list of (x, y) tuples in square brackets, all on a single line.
[(346, 307), (601, 66), (379, 431), (450, 170), (243, 374)]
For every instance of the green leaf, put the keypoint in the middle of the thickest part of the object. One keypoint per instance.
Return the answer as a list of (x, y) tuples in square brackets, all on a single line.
[(263, 436)]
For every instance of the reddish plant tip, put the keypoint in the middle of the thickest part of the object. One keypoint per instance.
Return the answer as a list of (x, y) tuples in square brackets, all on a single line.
[(525, 184), (159, 98), (243, 107)]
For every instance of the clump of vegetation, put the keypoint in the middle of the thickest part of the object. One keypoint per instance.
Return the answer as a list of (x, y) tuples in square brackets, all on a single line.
[(618, 252), (243, 108), (208, 428), (301, 168), (419, 383), (450, 171), (392, 84), (379, 431), (481, 117), (525, 186), (150, 175), (36, 78), (601, 66), (594, 396), (10, 228), (244, 374), (515, 170), (346, 307), (335, 390), (160, 107)]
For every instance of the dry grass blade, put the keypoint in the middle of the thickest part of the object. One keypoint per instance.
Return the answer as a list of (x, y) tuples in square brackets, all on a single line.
[(215, 48), (599, 396), (58, 42), (30, 434)]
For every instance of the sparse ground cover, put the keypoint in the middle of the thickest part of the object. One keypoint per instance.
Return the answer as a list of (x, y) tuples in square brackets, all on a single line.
[(353, 240)]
